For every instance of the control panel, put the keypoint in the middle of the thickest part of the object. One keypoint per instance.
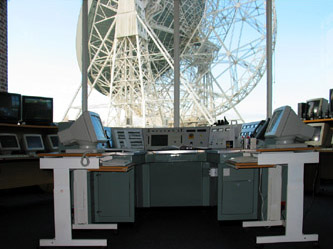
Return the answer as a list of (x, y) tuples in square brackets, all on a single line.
[(225, 136), (159, 138), (163, 138), (196, 136), (128, 138), (249, 129)]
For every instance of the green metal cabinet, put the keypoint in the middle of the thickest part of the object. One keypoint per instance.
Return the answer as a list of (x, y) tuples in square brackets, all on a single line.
[(175, 178), (113, 195), (237, 195), (176, 184)]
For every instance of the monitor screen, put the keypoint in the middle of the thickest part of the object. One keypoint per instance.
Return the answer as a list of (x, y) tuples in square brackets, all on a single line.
[(53, 141), (33, 142), (9, 142), (276, 119), (313, 108), (317, 108), (10, 107), (98, 127), (316, 135), (37, 110), (321, 136), (159, 140)]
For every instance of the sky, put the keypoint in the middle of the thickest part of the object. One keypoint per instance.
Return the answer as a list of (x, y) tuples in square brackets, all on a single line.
[(42, 54)]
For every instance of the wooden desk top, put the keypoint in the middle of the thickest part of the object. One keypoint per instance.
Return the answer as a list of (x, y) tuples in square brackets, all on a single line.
[(325, 150), (56, 154), (250, 166), (318, 120), (246, 162), (113, 168)]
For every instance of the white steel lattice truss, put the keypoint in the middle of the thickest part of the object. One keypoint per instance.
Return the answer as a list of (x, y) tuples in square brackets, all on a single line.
[(223, 54)]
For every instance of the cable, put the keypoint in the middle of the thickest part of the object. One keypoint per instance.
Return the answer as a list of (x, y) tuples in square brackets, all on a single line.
[(260, 193), (85, 160)]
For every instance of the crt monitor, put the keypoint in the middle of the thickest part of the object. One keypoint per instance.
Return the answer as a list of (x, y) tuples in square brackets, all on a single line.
[(286, 127), (317, 108), (322, 135), (10, 107), (53, 141), (87, 131), (33, 142), (9, 142), (37, 110)]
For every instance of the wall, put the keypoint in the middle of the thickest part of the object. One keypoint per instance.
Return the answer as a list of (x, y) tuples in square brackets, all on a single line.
[(3, 47)]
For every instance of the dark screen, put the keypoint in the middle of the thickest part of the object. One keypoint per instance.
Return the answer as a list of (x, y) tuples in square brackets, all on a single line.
[(159, 140), (34, 142), (316, 135), (54, 141), (8, 141), (37, 110), (10, 108), (313, 108)]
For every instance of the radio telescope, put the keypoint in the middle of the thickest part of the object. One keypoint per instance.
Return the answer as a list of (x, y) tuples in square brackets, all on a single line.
[(130, 73)]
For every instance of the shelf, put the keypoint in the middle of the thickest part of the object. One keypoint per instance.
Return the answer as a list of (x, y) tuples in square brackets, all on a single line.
[(28, 126), (319, 120)]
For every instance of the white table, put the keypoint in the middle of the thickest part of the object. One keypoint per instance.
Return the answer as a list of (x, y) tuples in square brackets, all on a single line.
[(61, 165), (294, 161)]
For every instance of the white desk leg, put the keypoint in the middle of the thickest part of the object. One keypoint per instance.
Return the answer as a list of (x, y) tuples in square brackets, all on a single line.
[(81, 203), (273, 200), (62, 215), (295, 200)]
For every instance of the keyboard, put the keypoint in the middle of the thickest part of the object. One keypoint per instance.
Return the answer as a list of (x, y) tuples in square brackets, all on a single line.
[(116, 162)]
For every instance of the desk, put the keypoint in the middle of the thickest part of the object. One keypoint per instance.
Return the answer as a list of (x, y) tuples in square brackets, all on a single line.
[(294, 160), (61, 165)]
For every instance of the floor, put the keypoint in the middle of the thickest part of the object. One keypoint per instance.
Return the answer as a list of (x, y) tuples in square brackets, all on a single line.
[(26, 215)]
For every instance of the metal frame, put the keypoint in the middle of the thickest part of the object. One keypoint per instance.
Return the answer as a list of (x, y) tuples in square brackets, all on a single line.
[(222, 58), (81, 207), (295, 197), (61, 167)]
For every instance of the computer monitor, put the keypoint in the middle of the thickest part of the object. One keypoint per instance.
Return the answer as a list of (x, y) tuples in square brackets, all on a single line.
[(9, 142), (322, 135), (287, 129), (37, 110), (317, 108), (53, 141), (33, 142), (87, 131), (10, 107)]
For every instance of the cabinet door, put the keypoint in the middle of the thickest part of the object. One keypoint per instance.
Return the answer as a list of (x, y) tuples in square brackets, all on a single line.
[(114, 200), (176, 184), (238, 197), (238, 193)]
